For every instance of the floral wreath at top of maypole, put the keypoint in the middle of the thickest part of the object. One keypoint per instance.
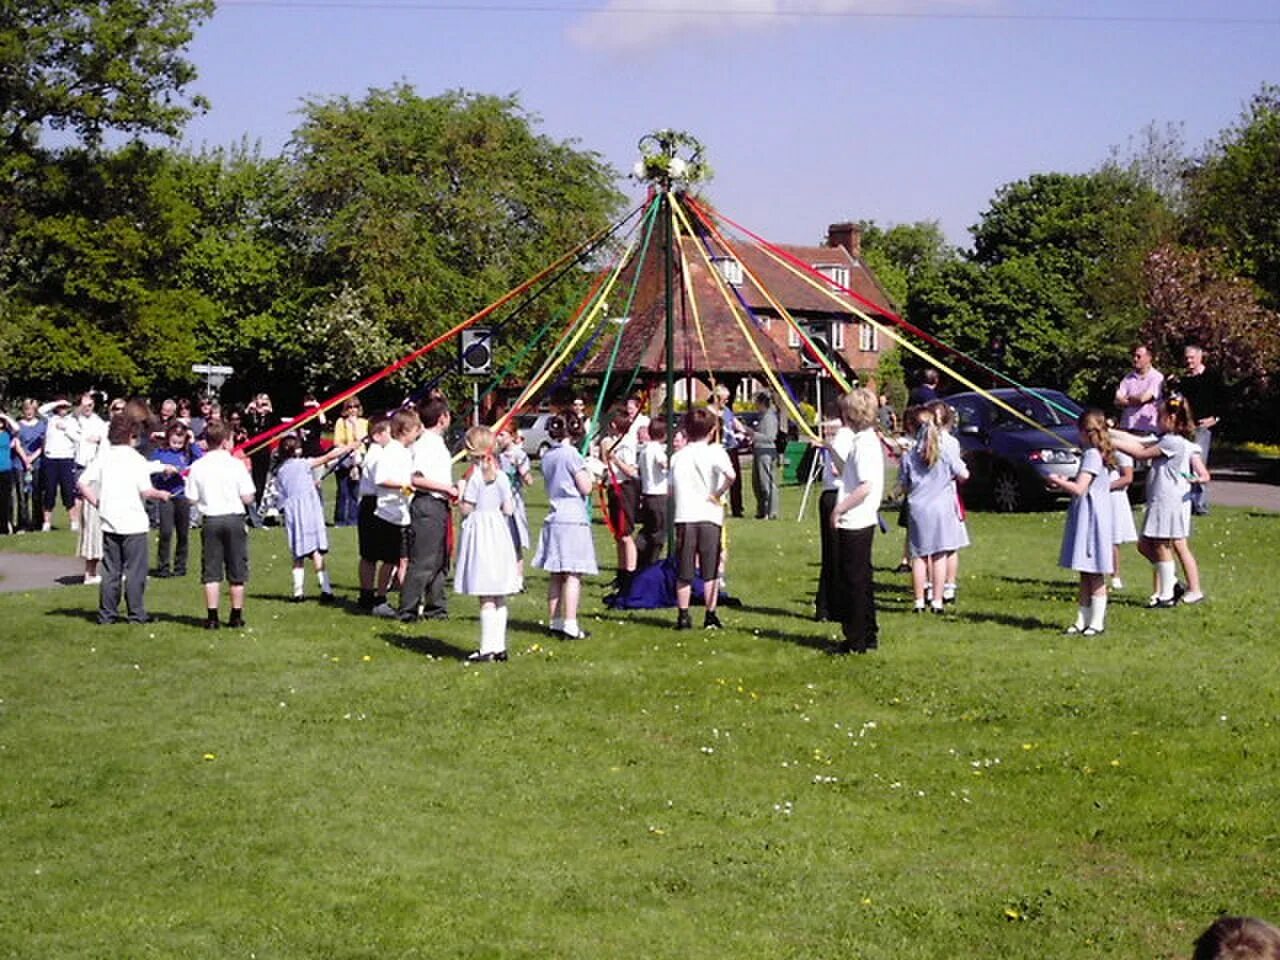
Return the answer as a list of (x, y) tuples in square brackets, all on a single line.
[(671, 160)]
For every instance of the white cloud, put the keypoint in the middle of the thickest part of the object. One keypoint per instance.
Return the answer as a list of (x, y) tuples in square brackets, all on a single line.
[(645, 24)]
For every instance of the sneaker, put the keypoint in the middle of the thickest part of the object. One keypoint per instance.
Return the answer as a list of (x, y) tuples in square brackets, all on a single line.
[(386, 611), (949, 593), (1192, 596), (1117, 583), (711, 622), (1091, 632), (498, 656), (579, 634), (45, 528), (1163, 603), (75, 526), (92, 581)]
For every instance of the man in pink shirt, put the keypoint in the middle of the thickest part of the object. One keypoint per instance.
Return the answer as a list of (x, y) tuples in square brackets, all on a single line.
[(1138, 395)]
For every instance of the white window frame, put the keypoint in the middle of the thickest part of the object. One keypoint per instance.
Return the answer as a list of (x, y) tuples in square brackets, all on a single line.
[(730, 270), (868, 338), (837, 272), (837, 334)]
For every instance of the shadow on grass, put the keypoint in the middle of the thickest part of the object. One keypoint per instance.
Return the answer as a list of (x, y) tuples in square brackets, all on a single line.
[(664, 619), (91, 616), (427, 646), (76, 613)]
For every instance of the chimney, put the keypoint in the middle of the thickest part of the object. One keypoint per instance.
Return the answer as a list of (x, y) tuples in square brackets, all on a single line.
[(847, 235)]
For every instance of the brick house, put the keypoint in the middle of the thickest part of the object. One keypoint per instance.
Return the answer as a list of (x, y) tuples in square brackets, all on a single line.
[(726, 352)]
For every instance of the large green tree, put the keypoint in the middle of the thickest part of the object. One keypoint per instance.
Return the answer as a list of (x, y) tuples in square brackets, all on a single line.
[(1234, 194), (89, 66), (421, 211), (905, 252)]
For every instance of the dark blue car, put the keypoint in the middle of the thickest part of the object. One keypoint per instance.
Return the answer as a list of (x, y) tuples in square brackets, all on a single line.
[(1008, 458)]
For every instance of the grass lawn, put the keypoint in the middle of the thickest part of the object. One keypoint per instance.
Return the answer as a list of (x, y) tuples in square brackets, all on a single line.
[(323, 784)]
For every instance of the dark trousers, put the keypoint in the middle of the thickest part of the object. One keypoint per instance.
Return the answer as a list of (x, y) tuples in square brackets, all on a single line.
[(174, 518), (428, 557), (124, 564), (827, 537), (6, 500), (853, 602), (735, 491), (60, 475), (651, 541), (347, 511)]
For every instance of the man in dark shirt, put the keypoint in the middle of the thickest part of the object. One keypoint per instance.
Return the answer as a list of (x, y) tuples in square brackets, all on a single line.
[(1203, 389), (926, 391)]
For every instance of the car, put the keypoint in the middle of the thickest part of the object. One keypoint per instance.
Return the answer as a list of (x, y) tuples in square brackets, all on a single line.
[(533, 427), (1008, 459)]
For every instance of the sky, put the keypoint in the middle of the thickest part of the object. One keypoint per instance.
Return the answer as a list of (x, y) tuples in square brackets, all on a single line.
[(811, 112)]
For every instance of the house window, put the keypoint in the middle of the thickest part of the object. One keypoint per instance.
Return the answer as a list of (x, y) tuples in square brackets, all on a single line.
[(730, 270), (868, 338), (836, 272), (837, 335), (793, 338)]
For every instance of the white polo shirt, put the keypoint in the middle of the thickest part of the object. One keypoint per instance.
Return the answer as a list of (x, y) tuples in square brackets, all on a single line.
[(217, 482), (864, 465), (698, 470), (431, 459), (61, 435), (121, 475), (393, 465), (653, 469), (92, 438), (841, 444)]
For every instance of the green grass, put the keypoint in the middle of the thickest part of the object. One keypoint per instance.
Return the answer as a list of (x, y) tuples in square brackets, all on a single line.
[(327, 785)]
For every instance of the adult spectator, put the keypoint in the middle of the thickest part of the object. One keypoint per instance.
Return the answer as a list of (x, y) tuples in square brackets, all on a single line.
[(114, 485), (199, 422), (8, 457), (259, 417), (926, 391), (92, 440), (731, 439), (61, 436), (1139, 394), (27, 466), (351, 427), (764, 459), (1203, 389)]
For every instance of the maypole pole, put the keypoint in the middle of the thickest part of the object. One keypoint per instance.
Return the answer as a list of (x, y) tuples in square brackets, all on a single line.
[(670, 162)]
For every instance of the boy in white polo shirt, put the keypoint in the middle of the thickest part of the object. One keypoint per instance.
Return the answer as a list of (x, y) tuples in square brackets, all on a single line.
[(116, 482), (221, 487), (701, 474), (388, 539)]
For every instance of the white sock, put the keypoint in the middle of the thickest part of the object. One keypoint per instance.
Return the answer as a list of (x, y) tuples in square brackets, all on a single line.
[(571, 627), (325, 585), (500, 628), (1082, 617), (1098, 616), (557, 623), (1165, 579), (948, 591), (297, 581), (488, 628)]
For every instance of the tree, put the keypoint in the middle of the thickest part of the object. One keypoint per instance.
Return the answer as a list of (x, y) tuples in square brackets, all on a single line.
[(1235, 192), (1194, 297), (421, 211), (903, 253), (89, 66)]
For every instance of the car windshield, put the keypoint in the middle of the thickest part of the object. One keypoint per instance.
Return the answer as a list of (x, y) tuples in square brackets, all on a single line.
[(1059, 410)]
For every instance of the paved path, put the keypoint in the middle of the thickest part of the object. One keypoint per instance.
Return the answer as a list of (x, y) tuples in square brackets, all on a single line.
[(37, 571)]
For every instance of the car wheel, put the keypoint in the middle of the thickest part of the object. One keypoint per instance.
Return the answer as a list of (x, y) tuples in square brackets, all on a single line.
[(1007, 492)]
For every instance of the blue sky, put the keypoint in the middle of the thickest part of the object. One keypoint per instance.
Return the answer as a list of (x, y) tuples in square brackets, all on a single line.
[(893, 110)]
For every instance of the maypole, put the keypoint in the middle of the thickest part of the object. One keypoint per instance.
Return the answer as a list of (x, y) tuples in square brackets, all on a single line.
[(670, 162)]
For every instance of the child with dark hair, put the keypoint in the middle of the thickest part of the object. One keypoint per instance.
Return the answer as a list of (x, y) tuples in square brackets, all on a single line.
[(1175, 462), (701, 475), (1238, 938), (170, 463), (303, 511), (651, 541), (565, 547), (620, 453)]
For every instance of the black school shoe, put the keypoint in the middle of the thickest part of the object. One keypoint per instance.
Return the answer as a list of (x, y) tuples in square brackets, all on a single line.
[(683, 622), (711, 622)]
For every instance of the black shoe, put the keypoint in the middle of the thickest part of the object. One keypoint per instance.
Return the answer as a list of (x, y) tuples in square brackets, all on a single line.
[(328, 598), (1178, 590), (499, 656), (820, 616), (837, 649), (711, 622), (297, 598), (1155, 603), (435, 615), (211, 623), (160, 574), (580, 635), (180, 573), (902, 567), (683, 622), (235, 621)]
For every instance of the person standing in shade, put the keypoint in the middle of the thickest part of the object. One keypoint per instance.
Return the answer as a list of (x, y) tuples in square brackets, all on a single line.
[(764, 459), (1139, 394), (1203, 388), (115, 484), (429, 517), (731, 440), (220, 486)]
